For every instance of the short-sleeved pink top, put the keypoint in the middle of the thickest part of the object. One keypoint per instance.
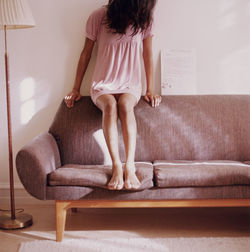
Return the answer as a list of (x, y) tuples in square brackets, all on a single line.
[(118, 64)]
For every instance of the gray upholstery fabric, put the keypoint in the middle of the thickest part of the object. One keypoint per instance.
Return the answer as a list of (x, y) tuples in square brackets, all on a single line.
[(68, 192), (89, 193), (74, 131), (202, 127), (35, 161), (201, 173), (97, 175)]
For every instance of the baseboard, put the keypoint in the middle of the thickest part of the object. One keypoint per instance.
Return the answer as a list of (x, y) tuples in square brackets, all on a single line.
[(21, 196), (7, 186)]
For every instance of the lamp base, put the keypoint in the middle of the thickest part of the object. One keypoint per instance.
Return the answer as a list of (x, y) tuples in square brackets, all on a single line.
[(22, 220)]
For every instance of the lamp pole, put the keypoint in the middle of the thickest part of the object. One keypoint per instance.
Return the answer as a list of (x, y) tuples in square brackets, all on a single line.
[(14, 14), (12, 196)]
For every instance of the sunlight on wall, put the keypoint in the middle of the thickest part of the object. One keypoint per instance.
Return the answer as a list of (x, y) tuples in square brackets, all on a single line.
[(234, 71), (248, 9), (226, 5), (27, 91), (228, 20), (229, 17), (100, 139)]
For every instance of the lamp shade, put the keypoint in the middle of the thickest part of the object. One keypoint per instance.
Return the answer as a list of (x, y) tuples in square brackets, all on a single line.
[(15, 14)]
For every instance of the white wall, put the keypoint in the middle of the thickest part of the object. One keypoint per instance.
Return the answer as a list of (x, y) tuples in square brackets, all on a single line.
[(43, 59)]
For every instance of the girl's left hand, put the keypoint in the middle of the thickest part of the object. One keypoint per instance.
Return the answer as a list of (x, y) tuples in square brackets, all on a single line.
[(155, 100)]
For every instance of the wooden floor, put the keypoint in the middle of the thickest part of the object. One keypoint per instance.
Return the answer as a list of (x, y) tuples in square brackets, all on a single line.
[(169, 222)]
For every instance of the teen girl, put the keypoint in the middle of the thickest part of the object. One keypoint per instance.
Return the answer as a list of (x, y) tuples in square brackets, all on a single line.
[(123, 32)]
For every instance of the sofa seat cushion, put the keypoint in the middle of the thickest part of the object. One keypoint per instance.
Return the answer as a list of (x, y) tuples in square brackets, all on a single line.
[(97, 175), (201, 173)]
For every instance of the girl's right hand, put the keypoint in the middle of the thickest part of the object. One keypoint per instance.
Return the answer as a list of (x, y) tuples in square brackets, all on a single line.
[(71, 98)]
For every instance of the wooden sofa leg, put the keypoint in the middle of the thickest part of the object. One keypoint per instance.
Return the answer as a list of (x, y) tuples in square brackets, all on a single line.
[(61, 211)]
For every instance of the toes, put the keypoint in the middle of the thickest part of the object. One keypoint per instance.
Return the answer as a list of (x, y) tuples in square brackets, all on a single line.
[(119, 186), (115, 183), (128, 185), (132, 184), (111, 184)]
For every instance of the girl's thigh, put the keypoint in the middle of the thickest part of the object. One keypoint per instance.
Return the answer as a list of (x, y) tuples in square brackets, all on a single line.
[(106, 100), (111, 100)]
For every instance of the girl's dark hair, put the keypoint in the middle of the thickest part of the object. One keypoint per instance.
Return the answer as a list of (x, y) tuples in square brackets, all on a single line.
[(122, 13)]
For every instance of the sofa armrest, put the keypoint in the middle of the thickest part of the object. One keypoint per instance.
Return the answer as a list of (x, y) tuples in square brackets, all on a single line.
[(35, 161)]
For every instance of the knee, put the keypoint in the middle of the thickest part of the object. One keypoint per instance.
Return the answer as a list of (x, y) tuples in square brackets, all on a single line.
[(110, 108), (125, 107)]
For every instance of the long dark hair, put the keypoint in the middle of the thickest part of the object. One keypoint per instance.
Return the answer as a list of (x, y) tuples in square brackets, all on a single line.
[(122, 13)]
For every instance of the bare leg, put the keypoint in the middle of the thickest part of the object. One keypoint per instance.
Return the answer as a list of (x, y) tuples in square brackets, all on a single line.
[(126, 105), (108, 105)]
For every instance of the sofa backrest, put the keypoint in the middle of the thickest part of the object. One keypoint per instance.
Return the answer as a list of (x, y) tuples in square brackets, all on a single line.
[(191, 127)]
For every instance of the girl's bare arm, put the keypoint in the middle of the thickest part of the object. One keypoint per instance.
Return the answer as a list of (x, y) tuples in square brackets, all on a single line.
[(85, 56), (150, 96)]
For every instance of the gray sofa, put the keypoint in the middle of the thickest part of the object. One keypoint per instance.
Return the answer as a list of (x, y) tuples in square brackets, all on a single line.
[(192, 151)]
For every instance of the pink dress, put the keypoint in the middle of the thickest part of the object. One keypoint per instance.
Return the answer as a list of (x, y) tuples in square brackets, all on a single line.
[(118, 64)]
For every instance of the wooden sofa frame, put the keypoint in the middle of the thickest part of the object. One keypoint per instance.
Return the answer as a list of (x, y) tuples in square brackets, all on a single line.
[(63, 205)]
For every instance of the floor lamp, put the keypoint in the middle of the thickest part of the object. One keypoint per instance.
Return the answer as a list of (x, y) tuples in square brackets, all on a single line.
[(14, 14)]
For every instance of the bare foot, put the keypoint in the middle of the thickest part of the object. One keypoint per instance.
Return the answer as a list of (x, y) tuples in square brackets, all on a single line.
[(116, 182), (131, 180)]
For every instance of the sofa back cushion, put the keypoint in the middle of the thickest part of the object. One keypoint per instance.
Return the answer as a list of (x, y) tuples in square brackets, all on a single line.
[(192, 127)]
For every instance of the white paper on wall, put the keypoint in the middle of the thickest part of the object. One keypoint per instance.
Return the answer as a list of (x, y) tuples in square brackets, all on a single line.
[(178, 71)]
